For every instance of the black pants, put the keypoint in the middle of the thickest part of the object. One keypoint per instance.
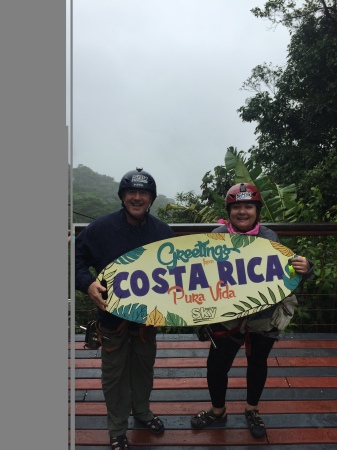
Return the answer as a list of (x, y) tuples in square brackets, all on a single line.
[(220, 361)]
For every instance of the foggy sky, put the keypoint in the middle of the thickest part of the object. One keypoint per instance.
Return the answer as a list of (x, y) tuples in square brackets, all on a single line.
[(156, 84)]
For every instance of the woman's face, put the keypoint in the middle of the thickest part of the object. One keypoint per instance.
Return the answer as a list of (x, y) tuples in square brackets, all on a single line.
[(243, 215)]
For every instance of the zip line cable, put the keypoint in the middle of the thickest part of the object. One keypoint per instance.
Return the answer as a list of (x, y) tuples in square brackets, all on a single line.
[(83, 215)]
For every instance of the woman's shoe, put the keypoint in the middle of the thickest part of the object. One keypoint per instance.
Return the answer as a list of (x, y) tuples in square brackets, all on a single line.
[(205, 418), (256, 424)]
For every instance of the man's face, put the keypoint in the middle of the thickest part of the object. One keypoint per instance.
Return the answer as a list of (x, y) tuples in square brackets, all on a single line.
[(137, 202)]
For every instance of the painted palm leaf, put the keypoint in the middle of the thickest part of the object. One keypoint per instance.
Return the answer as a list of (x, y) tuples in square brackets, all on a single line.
[(133, 313), (130, 257)]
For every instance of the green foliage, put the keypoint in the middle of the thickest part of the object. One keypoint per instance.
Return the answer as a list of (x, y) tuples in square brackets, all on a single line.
[(296, 115), (160, 203), (317, 296), (279, 202), (214, 189), (292, 13), (89, 205), (218, 183), (295, 106), (209, 206), (84, 311), (86, 180), (186, 209), (94, 195)]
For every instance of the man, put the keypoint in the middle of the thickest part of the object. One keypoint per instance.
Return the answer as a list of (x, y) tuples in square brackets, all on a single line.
[(128, 349)]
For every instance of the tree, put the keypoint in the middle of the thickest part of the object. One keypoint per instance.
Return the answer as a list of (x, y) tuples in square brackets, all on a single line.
[(291, 14), (89, 205), (215, 186), (279, 202), (160, 202), (210, 205), (295, 107), (186, 209), (218, 183)]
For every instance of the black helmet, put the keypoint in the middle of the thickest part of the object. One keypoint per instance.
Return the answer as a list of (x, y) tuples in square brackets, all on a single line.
[(138, 179)]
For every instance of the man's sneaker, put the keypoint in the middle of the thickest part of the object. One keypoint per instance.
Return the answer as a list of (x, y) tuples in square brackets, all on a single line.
[(256, 425)]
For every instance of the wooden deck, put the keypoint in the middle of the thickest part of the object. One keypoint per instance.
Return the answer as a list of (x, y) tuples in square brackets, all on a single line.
[(299, 403)]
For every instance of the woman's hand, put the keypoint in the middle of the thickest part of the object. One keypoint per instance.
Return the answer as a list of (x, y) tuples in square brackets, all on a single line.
[(300, 264)]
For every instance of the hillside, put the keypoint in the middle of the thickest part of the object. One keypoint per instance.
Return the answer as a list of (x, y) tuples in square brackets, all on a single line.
[(95, 195)]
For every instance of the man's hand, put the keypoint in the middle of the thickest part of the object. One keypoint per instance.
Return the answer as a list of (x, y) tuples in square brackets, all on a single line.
[(94, 292)]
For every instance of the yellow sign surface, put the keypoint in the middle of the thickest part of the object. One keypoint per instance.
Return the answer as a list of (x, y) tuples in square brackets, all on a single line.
[(198, 279)]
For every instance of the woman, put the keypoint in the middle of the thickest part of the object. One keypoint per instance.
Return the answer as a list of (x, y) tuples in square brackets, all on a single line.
[(258, 331)]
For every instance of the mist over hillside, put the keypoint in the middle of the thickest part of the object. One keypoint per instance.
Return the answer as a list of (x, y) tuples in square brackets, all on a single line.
[(95, 195)]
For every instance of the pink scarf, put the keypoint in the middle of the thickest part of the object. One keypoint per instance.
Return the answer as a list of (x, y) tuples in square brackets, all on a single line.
[(231, 230)]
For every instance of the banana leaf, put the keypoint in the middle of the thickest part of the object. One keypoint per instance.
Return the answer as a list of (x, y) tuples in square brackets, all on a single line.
[(279, 202)]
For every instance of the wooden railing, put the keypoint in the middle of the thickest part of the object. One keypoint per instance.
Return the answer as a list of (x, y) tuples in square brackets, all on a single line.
[(282, 229)]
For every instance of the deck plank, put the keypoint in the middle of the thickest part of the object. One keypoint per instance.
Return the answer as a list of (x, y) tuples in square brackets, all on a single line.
[(201, 383), (299, 403), (205, 345), (238, 362), (189, 383), (196, 438), (189, 408)]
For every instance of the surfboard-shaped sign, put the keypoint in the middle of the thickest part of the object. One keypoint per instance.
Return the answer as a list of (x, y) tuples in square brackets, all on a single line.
[(198, 279)]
